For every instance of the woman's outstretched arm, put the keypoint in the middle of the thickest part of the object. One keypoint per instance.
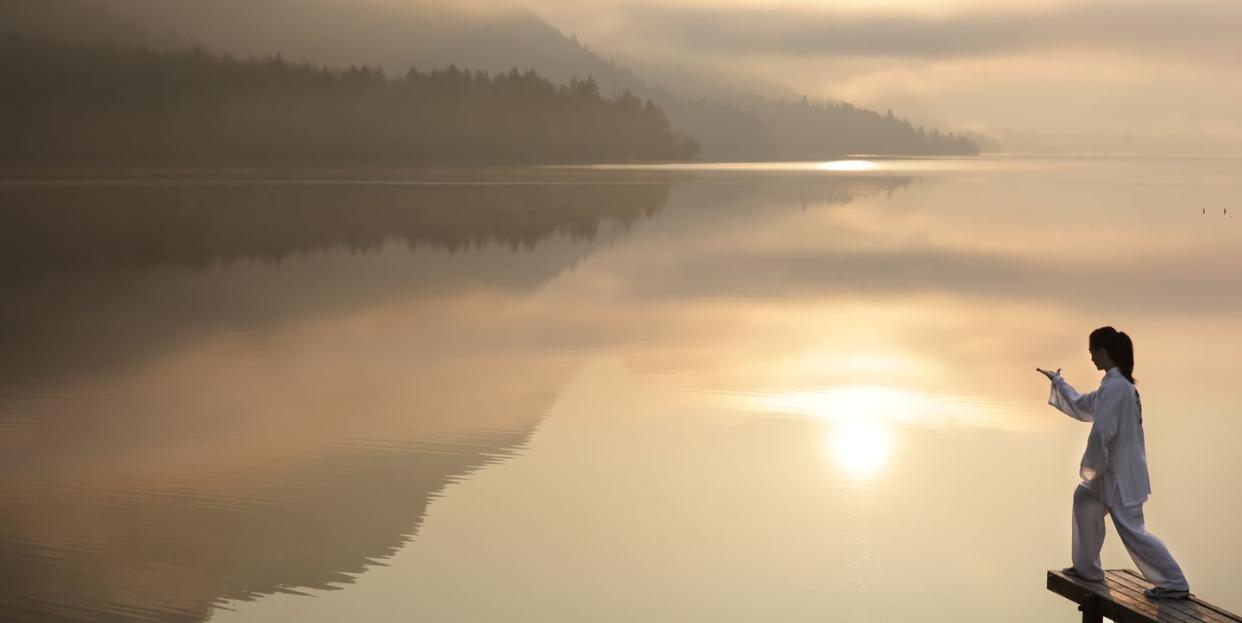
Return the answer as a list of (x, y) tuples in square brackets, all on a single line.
[(1067, 400)]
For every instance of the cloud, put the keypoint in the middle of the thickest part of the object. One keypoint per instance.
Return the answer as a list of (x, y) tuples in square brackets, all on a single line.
[(1203, 28), (1075, 76)]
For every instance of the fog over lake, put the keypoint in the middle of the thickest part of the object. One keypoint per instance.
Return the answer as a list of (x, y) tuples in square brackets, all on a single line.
[(626, 393)]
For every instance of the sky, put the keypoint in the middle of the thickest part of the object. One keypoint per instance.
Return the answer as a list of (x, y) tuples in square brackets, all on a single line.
[(1130, 76)]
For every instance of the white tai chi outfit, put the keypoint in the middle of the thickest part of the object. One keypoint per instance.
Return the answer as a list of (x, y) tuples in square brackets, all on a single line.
[(1114, 480)]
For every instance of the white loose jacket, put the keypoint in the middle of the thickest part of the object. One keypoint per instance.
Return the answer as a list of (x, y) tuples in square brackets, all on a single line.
[(1115, 447)]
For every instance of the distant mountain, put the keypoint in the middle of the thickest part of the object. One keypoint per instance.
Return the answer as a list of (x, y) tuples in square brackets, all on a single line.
[(493, 36)]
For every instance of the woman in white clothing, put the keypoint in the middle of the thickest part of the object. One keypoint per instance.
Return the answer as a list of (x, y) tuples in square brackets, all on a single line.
[(1114, 468)]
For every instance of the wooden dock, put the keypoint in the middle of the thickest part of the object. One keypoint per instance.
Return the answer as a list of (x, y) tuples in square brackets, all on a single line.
[(1120, 598)]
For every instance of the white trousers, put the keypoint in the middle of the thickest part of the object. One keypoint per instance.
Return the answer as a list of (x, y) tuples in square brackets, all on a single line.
[(1149, 553)]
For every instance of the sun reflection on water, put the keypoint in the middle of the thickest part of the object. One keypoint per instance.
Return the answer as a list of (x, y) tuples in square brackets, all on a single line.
[(846, 165), (861, 447), (891, 406), (861, 421), (874, 403), (861, 440)]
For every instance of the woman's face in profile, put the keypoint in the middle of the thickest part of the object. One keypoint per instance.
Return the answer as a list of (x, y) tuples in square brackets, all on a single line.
[(1099, 357)]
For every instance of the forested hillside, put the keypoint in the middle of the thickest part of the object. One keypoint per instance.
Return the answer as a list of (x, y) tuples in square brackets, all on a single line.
[(728, 123), (100, 103)]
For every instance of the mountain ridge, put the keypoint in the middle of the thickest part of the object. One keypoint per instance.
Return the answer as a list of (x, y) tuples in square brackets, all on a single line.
[(495, 38)]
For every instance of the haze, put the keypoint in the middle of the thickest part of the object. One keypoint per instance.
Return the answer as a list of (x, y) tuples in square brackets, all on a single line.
[(606, 310), (1043, 76), (1075, 75)]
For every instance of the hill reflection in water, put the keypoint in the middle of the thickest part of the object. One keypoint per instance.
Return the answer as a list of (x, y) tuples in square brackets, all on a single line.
[(211, 391)]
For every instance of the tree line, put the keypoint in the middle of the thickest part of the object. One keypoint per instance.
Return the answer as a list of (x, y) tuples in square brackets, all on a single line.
[(101, 104), (808, 127), (760, 128)]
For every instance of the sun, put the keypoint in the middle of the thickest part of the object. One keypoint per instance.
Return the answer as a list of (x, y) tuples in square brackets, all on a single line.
[(860, 446)]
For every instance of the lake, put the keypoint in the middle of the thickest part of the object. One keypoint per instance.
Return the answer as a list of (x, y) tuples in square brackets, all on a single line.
[(727, 393)]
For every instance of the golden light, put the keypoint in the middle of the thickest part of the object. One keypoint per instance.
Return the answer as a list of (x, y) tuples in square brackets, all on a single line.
[(861, 446), (861, 441), (890, 406), (846, 165), (874, 403)]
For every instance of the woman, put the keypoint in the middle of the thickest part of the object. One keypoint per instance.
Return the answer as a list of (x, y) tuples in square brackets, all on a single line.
[(1114, 468)]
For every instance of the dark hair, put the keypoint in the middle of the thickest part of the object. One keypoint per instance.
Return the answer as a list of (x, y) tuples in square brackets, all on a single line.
[(1118, 346)]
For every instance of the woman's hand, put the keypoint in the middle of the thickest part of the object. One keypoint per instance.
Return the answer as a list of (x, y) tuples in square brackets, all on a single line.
[(1050, 375)]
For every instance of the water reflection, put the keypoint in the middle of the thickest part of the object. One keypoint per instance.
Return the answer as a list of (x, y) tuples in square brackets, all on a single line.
[(220, 391), (861, 446), (899, 406), (657, 366), (87, 266), (215, 391), (846, 165)]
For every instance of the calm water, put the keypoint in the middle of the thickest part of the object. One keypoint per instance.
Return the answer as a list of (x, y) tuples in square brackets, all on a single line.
[(727, 394)]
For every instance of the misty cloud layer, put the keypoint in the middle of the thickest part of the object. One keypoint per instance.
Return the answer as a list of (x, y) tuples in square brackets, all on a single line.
[(1209, 30), (1141, 77), (1123, 77)]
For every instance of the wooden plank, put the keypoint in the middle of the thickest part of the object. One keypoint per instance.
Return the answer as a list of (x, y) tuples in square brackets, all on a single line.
[(1217, 610), (1124, 604), (1162, 609), (1134, 599), (1120, 598), (1184, 609), (1225, 615), (1094, 593), (1190, 609)]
